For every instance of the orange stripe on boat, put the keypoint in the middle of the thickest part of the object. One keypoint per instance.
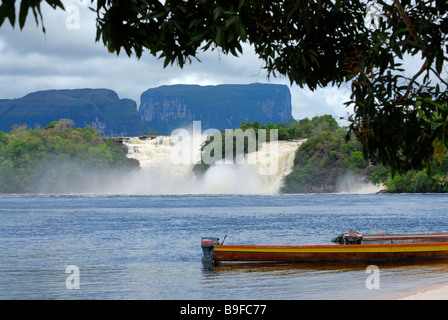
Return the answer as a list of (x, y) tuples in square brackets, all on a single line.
[(408, 247)]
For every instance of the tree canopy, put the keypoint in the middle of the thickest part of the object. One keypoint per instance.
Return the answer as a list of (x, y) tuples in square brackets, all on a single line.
[(59, 159), (400, 113)]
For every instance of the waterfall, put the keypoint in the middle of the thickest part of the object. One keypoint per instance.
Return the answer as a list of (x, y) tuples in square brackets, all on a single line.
[(261, 173), (154, 155)]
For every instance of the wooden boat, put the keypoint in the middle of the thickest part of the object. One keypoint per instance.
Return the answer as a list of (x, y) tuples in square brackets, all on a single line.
[(351, 246)]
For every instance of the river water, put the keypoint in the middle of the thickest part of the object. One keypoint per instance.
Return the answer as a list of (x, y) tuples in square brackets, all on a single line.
[(148, 247)]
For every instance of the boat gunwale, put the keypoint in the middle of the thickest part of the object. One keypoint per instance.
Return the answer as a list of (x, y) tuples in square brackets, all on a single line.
[(335, 246), (402, 238), (406, 234)]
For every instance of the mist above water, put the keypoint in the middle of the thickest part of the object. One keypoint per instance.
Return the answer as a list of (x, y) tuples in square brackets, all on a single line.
[(354, 183)]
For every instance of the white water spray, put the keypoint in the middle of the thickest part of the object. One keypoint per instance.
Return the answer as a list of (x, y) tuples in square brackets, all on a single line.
[(352, 183), (159, 175)]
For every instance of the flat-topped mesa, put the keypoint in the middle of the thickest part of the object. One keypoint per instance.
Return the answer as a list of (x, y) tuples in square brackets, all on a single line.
[(100, 109), (219, 107)]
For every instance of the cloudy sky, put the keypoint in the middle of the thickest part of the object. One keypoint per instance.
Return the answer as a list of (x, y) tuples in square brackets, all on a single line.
[(67, 57)]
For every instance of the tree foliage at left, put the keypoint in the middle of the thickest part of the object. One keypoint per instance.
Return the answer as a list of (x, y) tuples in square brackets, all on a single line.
[(56, 158)]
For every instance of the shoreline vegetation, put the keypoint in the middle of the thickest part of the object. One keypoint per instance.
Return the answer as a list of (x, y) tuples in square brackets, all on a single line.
[(59, 158)]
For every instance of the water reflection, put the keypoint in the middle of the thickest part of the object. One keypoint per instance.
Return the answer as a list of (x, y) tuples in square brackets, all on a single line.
[(325, 280)]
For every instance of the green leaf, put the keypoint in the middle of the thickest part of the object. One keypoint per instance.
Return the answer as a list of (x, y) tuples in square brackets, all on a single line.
[(216, 13), (240, 4), (166, 62), (439, 62), (219, 37), (24, 7), (242, 32), (7, 10), (231, 20)]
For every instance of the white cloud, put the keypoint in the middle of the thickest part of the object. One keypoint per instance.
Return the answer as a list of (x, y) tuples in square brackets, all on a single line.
[(330, 100), (69, 58)]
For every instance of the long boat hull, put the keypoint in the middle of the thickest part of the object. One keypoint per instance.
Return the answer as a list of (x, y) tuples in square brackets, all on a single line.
[(389, 252)]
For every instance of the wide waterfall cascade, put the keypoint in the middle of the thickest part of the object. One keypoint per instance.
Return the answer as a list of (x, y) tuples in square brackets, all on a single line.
[(261, 173), (155, 155)]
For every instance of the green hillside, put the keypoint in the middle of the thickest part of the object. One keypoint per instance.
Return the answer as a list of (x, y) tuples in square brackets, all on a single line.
[(326, 157), (58, 159)]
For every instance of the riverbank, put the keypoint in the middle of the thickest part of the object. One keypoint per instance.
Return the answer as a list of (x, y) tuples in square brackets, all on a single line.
[(439, 292)]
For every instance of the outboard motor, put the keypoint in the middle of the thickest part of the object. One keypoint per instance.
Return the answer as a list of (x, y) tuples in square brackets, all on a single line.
[(208, 248)]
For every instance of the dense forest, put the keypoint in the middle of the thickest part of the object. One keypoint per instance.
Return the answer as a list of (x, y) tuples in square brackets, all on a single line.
[(57, 158)]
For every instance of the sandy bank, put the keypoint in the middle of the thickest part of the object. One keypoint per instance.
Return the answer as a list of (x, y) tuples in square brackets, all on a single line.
[(439, 292)]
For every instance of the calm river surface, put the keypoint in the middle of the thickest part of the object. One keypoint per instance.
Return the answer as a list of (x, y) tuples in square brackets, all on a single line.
[(148, 247)]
